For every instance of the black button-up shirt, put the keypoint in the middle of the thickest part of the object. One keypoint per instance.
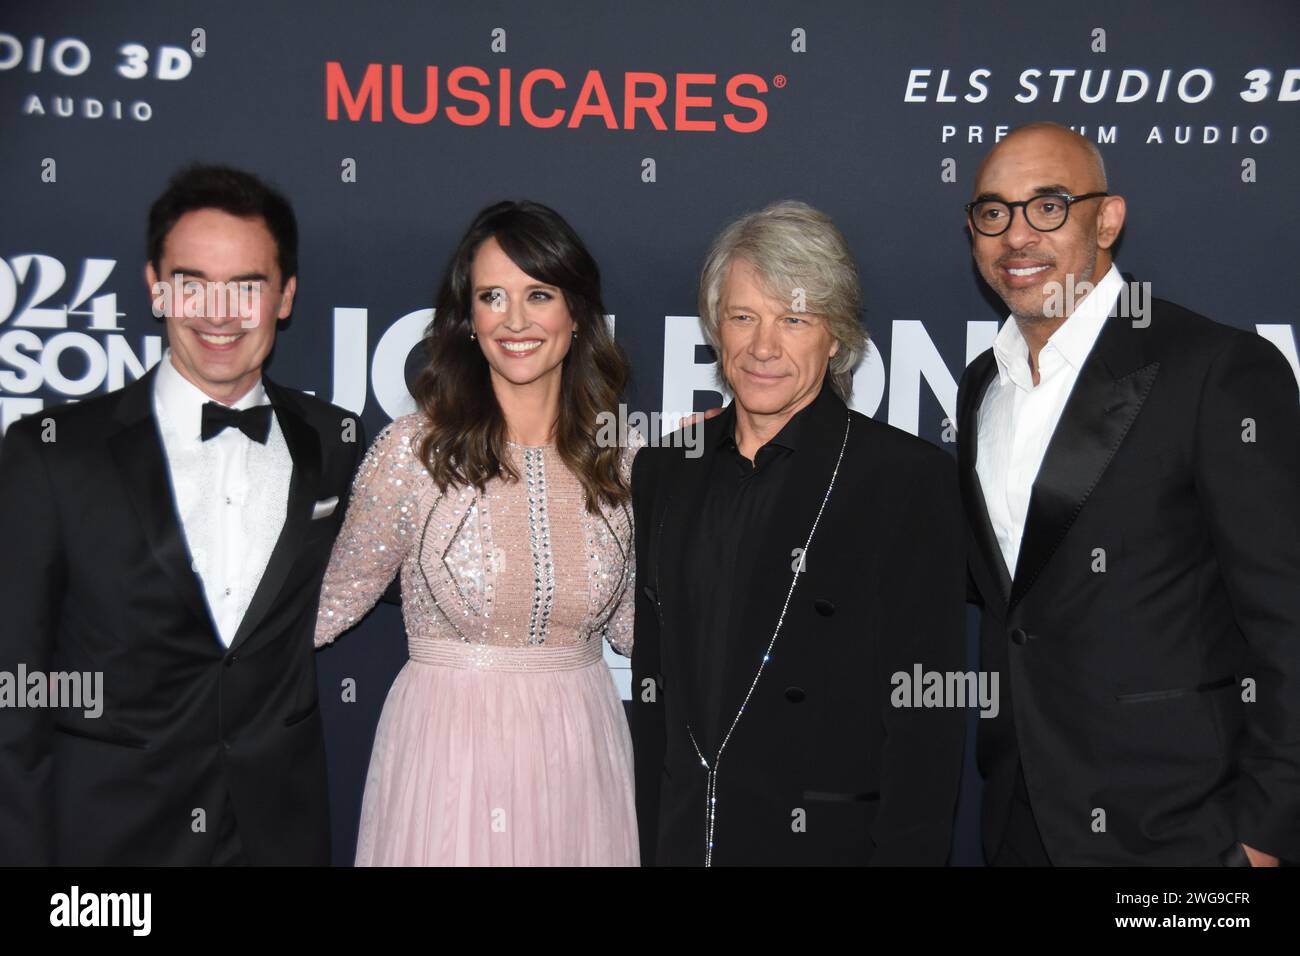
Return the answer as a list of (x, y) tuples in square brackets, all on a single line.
[(739, 501)]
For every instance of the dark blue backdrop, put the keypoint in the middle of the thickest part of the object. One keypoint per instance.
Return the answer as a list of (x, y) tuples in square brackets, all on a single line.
[(849, 108)]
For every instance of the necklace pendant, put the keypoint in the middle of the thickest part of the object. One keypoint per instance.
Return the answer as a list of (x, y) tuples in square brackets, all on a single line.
[(711, 782), (711, 805)]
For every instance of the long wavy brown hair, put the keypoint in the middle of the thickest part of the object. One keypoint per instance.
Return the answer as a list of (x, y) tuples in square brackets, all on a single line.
[(465, 444)]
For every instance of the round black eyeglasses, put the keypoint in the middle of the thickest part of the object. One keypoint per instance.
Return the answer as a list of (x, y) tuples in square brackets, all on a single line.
[(1046, 213)]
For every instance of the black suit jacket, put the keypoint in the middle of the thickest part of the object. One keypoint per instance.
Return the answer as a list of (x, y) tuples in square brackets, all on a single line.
[(95, 576), (1160, 567), (882, 590)]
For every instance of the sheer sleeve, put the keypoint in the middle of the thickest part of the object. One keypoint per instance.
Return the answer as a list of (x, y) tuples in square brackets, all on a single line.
[(376, 533), (619, 630)]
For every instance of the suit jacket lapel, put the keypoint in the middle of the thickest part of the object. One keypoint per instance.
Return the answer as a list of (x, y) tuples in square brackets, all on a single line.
[(137, 451), (1105, 401), (305, 450), (982, 376)]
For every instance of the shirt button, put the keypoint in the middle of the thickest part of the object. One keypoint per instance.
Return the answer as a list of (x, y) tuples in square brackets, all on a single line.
[(227, 499), (227, 592)]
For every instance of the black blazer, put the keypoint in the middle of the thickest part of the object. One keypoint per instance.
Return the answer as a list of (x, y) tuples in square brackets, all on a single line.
[(882, 590), (95, 576), (1160, 567)]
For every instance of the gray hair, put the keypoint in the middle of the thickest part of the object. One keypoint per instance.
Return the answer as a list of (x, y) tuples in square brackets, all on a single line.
[(794, 249)]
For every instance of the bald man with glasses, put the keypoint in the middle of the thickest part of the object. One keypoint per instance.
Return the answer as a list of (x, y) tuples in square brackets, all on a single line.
[(1130, 478)]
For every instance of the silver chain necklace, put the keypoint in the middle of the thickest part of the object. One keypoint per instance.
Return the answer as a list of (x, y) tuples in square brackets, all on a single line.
[(711, 786)]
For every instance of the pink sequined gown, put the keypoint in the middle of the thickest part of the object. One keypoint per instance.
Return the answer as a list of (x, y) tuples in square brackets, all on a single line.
[(503, 740)]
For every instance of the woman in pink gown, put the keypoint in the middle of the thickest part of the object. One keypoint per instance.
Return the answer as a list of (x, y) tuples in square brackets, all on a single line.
[(503, 740)]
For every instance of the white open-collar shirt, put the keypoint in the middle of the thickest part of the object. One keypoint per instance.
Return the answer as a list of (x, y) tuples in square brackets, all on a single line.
[(1017, 418)]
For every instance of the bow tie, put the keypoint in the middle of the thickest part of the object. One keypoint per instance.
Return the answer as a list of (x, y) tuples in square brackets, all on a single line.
[(254, 422)]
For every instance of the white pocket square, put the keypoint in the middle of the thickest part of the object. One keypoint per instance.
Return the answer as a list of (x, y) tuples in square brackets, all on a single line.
[(324, 508)]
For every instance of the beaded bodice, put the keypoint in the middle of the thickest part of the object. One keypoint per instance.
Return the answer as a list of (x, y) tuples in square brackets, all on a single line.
[(522, 563)]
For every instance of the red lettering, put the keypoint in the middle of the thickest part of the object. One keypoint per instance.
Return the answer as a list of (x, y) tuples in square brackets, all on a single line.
[(526, 98), (633, 101), (746, 102), (593, 87), (336, 88), (685, 101), (456, 89), (470, 93), (430, 95), (503, 118)]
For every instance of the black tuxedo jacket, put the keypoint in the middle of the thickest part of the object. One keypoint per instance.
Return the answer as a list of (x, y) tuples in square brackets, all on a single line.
[(95, 576), (1160, 568), (882, 590)]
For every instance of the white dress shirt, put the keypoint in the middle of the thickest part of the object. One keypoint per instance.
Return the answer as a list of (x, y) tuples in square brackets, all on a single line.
[(232, 494), (1017, 417)]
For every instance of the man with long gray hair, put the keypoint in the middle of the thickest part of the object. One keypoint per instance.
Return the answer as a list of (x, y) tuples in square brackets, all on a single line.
[(789, 575)]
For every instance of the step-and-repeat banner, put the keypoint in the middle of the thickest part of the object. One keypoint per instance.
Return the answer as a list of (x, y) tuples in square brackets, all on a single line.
[(648, 126)]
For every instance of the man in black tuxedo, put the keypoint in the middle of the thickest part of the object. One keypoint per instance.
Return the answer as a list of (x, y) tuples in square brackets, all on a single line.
[(796, 566), (172, 536), (1130, 475)]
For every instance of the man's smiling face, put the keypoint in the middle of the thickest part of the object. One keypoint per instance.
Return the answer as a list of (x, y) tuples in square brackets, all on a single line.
[(1020, 263), (219, 349)]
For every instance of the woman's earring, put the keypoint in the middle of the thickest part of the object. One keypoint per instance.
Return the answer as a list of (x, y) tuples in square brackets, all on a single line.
[(472, 336), (575, 333)]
